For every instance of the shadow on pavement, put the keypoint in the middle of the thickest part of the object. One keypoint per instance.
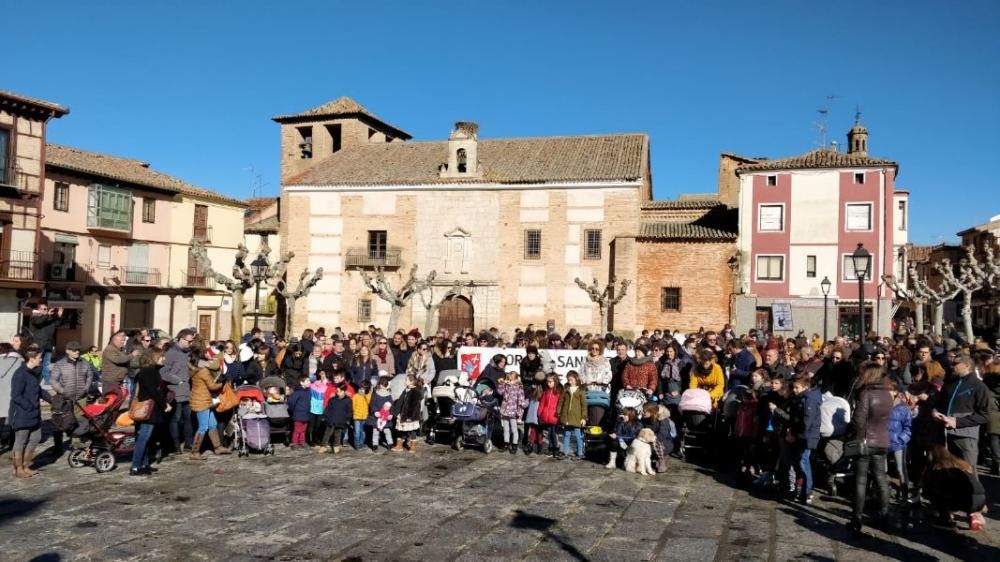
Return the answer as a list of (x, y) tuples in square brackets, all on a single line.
[(13, 508), (545, 525)]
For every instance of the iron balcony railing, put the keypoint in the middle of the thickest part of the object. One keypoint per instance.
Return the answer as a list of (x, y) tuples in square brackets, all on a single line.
[(199, 280), (369, 257), (130, 275), (203, 233), (19, 266)]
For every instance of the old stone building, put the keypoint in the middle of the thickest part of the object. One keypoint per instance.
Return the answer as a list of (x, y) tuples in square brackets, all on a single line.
[(513, 221)]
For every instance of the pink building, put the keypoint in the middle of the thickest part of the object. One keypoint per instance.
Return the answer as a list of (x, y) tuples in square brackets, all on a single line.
[(800, 219)]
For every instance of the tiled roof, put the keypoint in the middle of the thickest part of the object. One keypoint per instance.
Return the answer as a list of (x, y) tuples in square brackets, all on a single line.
[(127, 170), (520, 160), (342, 106), (661, 230), (819, 158), (17, 100), (918, 254), (266, 226), (260, 203), (681, 204)]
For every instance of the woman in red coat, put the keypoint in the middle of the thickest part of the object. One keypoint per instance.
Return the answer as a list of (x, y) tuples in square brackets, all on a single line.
[(548, 417)]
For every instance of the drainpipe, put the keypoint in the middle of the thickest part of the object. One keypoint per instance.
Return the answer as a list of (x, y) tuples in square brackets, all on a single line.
[(100, 321)]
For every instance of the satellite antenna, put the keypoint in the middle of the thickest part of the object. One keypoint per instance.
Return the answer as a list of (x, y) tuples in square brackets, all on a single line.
[(824, 113)]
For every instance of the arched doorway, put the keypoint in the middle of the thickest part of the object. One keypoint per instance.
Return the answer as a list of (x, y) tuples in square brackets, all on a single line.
[(456, 315)]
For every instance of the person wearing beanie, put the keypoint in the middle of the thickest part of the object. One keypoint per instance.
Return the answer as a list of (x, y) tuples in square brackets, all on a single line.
[(640, 371)]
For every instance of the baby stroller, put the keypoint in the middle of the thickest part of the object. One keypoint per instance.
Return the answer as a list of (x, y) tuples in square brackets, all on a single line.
[(477, 418), (595, 435), (105, 443), (277, 411), (696, 411), (250, 427), (442, 425)]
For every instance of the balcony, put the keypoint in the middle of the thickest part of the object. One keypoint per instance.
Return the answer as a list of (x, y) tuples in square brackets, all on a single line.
[(199, 280), (202, 233), (364, 258), (268, 307), (19, 266), (109, 209), (130, 275)]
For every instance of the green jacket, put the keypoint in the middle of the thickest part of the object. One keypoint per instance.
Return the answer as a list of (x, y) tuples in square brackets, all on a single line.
[(572, 407)]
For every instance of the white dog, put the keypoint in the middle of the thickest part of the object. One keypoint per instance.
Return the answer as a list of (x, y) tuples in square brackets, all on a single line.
[(638, 458)]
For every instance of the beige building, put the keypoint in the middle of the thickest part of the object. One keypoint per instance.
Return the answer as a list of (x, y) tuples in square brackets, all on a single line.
[(115, 245), (23, 124), (260, 226), (514, 221)]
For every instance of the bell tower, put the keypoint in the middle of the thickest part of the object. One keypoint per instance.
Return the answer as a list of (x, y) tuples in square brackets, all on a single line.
[(463, 152), (857, 137)]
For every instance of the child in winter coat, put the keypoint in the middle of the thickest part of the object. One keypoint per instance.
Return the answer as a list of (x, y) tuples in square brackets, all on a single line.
[(572, 410), (900, 424), (511, 409), (298, 409), (338, 418), (533, 444), (548, 415), (361, 401), (626, 429), (804, 437), (381, 400), (408, 412), (320, 392), (657, 417)]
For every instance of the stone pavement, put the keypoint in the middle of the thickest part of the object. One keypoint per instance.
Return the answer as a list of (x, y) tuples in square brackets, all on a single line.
[(437, 504)]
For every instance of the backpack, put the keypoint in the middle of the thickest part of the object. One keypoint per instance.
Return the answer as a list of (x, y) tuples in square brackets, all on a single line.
[(746, 420), (63, 418)]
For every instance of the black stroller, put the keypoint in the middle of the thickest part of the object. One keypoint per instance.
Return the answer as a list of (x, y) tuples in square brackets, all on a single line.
[(441, 425), (477, 417), (699, 422)]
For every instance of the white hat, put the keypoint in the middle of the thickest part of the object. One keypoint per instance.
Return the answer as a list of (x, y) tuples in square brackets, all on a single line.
[(246, 354), (383, 373)]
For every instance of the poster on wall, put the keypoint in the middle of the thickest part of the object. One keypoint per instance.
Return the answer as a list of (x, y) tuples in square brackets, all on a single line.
[(782, 314)]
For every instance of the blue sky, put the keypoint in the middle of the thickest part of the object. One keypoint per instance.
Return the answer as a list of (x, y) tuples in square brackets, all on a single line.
[(191, 86)]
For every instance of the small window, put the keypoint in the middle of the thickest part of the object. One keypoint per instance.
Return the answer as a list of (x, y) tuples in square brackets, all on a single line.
[(462, 161), (593, 244), (811, 267), (61, 200), (365, 310), (148, 209), (772, 181), (377, 241), (771, 218), (670, 299), (902, 215), (770, 268), (532, 244), (104, 256), (859, 178), (859, 216)]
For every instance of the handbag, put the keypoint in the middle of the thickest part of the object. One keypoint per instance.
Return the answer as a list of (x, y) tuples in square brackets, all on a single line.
[(228, 399), (140, 410), (856, 448)]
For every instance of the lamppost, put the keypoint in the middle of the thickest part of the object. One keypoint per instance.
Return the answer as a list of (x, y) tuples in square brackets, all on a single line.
[(862, 265), (824, 286), (258, 268)]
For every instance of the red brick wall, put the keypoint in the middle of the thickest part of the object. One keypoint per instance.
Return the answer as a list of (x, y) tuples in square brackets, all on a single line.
[(699, 269)]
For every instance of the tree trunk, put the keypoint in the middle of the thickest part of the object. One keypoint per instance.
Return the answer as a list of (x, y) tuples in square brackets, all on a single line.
[(289, 317), (237, 324), (604, 319), (938, 319), (919, 310), (967, 316), (393, 319), (430, 323)]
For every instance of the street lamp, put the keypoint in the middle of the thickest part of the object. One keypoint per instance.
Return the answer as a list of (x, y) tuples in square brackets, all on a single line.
[(824, 286), (862, 266), (258, 268)]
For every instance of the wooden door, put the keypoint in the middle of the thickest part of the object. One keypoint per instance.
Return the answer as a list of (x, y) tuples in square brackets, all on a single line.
[(201, 222), (456, 315), (206, 323), (135, 314), (763, 320)]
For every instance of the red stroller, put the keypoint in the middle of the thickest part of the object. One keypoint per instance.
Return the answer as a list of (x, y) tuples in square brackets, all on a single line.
[(105, 443)]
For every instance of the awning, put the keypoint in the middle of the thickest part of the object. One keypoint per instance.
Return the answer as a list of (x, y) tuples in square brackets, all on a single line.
[(66, 304), (67, 239)]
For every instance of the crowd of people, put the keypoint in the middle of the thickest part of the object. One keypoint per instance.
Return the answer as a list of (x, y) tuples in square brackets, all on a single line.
[(784, 408)]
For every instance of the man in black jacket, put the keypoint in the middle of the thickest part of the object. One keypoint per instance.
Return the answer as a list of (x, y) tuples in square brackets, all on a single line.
[(43, 330), (963, 405)]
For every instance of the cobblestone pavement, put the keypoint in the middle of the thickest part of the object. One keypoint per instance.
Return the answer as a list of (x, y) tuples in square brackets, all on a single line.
[(437, 504)]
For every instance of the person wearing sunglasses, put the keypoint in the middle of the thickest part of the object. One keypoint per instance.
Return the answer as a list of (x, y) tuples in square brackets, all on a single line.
[(384, 356), (445, 356)]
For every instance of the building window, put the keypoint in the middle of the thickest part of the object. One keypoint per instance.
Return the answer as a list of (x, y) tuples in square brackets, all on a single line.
[(670, 299), (365, 310), (859, 216), (462, 160), (771, 218), (104, 256), (6, 171), (148, 209), (772, 181), (850, 274), (377, 240), (811, 267), (532, 244), (336, 134), (770, 268), (593, 244), (859, 178), (61, 200), (109, 207), (305, 142), (902, 215)]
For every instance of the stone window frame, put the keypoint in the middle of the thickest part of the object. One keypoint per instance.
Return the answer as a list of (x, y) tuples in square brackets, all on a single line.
[(380, 250), (60, 197), (668, 294), (528, 254), (760, 216), (592, 253), (364, 310), (847, 215)]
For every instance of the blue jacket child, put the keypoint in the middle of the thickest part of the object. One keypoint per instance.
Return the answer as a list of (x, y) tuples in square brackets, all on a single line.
[(339, 412), (900, 421), (298, 404)]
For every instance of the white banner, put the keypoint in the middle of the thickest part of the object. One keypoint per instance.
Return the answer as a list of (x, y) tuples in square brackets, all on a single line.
[(473, 360)]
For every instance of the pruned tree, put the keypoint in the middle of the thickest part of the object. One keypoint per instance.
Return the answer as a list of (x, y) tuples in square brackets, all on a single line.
[(306, 283), (967, 281), (397, 299), (432, 303), (988, 272), (604, 297), (242, 278), (935, 296), (903, 293)]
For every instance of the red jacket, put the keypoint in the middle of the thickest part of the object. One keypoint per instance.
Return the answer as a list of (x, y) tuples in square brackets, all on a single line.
[(640, 376), (547, 407)]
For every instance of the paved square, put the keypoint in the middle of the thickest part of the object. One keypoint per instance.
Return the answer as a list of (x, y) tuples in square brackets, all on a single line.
[(437, 504)]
